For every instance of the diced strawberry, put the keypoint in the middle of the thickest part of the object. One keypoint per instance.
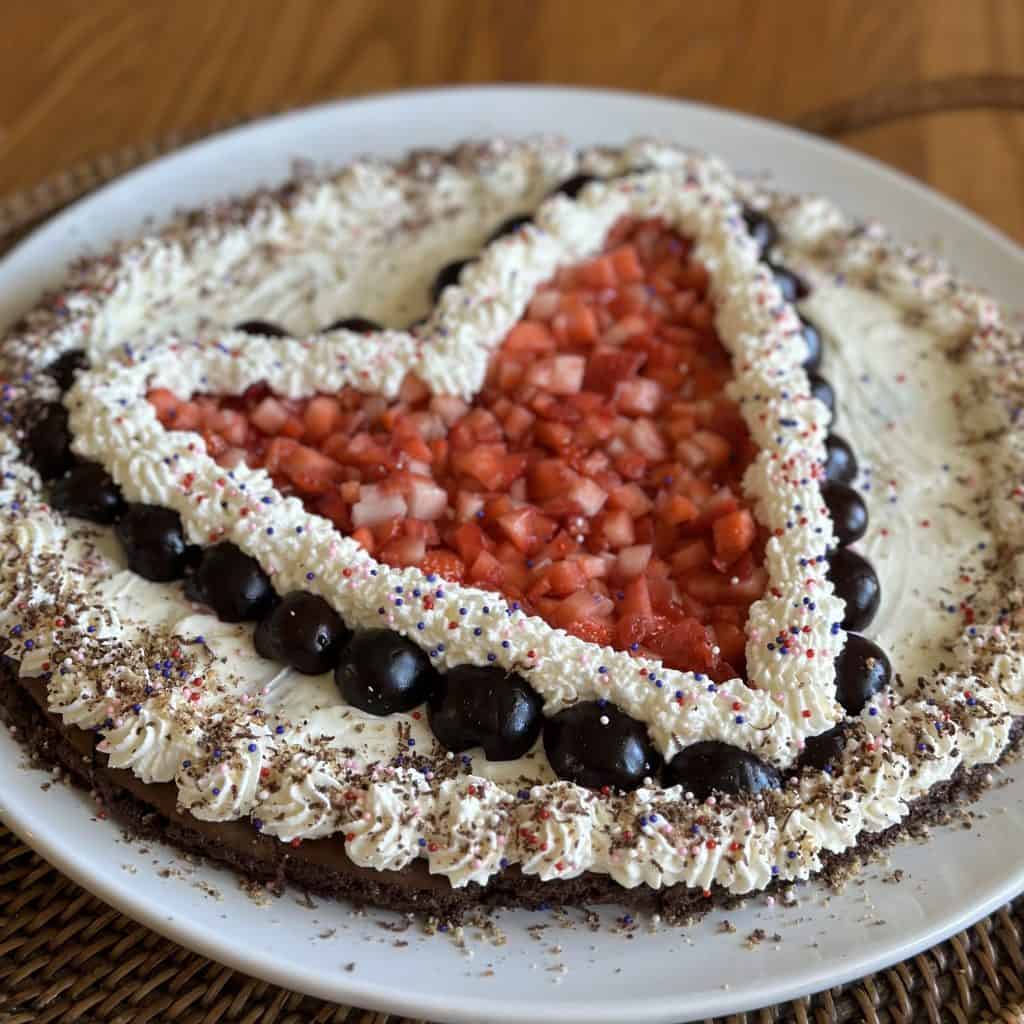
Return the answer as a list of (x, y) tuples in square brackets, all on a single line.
[(555, 436), (444, 563), (270, 416), (469, 541), (549, 478), (527, 529), (277, 453), (565, 578), (617, 528), (486, 571), (731, 641), (403, 551), (631, 498), (311, 472), (413, 390), (733, 534), (717, 449), (632, 561), (321, 417), (644, 436), (593, 631), (467, 505), (640, 397), (626, 264), (597, 273), (588, 495), (692, 555), (608, 367), (364, 537), (449, 407), (517, 422), (684, 645), (164, 402), (375, 507), (426, 500), (676, 509), (543, 305), (485, 463), (715, 588), (529, 337)]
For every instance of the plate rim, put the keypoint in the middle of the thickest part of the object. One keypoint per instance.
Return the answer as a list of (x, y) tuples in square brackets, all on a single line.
[(47, 841)]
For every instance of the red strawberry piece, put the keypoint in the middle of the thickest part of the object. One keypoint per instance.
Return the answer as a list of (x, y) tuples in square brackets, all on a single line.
[(444, 563), (733, 534)]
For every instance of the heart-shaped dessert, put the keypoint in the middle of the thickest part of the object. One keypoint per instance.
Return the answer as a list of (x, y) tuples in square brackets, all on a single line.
[(551, 592)]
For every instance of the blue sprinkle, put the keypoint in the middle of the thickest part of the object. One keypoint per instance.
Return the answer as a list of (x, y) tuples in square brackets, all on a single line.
[(279, 730), (252, 748)]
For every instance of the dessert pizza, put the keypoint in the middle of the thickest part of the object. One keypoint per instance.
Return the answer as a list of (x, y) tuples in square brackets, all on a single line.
[(516, 525)]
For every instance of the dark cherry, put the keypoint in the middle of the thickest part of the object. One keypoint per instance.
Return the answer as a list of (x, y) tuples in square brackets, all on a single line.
[(761, 227), (447, 275), (840, 462), (862, 670), (856, 582), (572, 187), (382, 672), (814, 349), (594, 744), (359, 324), (304, 631), (49, 442), (64, 367), (154, 542), (711, 766), (88, 492), (479, 706), (232, 584), (262, 327), (822, 391), (824, 750), (848, 511), (791, 284), (510, 226)]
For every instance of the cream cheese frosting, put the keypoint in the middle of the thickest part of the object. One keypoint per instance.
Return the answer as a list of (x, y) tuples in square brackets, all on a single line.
[(239, 737)]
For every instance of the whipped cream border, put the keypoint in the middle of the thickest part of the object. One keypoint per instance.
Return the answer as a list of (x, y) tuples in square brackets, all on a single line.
[(790, 696), (884, 768)]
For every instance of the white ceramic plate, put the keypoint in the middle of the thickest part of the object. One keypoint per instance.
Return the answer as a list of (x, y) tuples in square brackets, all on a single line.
[(562, 974)]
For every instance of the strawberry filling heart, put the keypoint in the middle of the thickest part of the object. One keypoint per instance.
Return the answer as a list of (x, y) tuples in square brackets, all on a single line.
[(595, 479)]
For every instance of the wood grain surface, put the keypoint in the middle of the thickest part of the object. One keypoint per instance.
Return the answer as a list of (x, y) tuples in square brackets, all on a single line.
[(83, 77)]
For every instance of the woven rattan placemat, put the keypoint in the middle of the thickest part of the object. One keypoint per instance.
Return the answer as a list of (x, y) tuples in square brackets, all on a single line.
[(66, 956)]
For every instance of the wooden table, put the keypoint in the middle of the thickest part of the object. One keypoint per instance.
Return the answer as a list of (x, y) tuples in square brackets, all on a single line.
[(81, 79)]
